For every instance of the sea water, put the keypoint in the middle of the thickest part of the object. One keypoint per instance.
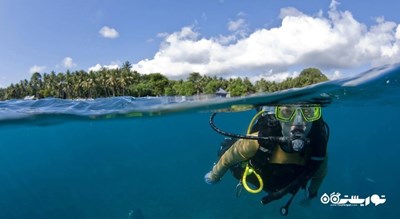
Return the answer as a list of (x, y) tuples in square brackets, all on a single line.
[(106, 158)]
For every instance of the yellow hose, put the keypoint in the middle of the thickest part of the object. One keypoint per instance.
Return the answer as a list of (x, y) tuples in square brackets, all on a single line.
[(247, 172), (254, 120)]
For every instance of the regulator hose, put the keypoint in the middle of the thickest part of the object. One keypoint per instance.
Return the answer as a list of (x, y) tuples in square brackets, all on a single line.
[(278, 139)]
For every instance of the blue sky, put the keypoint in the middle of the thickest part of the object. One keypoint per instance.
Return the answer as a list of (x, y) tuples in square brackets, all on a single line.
[(272, 39)]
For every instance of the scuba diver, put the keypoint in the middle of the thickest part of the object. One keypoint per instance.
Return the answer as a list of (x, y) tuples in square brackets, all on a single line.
[(284, 149)]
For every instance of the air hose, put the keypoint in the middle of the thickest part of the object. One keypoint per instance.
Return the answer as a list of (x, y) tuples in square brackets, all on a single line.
[(277, 139)]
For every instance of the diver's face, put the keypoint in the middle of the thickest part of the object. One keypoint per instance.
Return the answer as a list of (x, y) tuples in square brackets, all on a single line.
[(297, 126)]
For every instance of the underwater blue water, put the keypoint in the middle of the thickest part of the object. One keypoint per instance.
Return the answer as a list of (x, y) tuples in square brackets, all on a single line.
[(103, 158)]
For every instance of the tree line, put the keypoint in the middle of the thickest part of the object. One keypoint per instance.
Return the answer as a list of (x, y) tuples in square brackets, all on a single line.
[(124, 82)]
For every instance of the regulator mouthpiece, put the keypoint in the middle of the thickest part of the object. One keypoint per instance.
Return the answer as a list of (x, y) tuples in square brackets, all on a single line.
[(295, 143)]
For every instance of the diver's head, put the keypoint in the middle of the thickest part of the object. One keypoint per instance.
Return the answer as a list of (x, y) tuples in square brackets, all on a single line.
[(296, 122)]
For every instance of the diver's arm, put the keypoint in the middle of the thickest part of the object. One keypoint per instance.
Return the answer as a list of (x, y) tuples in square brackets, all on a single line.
[(240, 151)]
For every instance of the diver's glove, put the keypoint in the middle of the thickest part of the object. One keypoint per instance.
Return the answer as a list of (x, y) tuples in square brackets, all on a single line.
[(209, 179)]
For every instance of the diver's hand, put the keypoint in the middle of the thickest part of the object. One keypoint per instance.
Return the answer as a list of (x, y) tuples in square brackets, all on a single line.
[(209, 179)]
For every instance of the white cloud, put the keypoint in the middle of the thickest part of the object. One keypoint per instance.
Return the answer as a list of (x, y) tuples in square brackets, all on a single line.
[(108, 32), (274, 76), (98, 67), (225, 40), (239, 29), (68, 62), (37, 68), (290, 11), (236, 25), (95, 68), (241, 14), (334, 4), (336, 75), (162, 35), (331, 42), (398, 32)]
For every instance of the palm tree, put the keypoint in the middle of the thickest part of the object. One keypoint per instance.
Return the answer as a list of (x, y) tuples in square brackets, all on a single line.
[(36, 83), (123, 81), (196, 79), (126, 66), (112, 81), (93, 85), (102, 81)]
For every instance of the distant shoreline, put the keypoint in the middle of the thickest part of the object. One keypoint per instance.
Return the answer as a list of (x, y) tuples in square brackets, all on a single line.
[(123, 82)]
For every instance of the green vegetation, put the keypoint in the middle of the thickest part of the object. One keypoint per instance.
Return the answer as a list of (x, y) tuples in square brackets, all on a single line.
[(123, 82)]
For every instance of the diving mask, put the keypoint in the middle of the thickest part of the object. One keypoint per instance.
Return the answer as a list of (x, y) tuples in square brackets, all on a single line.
[(289, 113), (296, 122)]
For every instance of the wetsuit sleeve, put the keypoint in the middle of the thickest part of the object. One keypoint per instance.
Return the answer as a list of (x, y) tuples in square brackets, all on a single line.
[(240, 151)]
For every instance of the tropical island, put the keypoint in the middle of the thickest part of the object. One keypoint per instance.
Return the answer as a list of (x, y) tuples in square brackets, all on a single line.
[(124, 82)]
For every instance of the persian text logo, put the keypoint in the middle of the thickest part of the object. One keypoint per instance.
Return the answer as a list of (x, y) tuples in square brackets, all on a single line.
[(353, 200)]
